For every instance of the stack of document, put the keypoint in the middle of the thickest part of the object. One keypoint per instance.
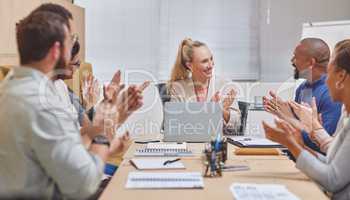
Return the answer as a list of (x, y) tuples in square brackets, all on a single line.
[(142, 164), (245, 191), (143, 180)]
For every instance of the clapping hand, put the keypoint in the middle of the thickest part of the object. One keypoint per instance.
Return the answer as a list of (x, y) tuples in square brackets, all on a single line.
[(129, 101), (283, 133), (277, 106), (90, 91), (307, 115), (118, 144)]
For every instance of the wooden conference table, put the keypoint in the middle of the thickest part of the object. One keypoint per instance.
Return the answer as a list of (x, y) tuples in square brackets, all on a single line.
[(263, 169)]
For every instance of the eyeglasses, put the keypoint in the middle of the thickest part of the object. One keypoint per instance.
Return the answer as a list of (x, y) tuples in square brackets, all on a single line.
[(74, 38), (76, 64)]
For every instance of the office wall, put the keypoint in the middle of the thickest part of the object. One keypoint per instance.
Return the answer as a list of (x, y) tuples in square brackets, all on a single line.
[(122, 35), (134, 24), (11, 11), (280, 36)]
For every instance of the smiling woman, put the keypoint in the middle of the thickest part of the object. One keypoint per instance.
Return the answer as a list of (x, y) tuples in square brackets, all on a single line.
[(191, 81)]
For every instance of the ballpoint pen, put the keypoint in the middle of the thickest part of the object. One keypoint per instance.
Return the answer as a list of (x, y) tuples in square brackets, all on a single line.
[(171, 161)]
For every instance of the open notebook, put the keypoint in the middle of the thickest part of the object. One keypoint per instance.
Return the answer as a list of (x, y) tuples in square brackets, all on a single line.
[(145, 180), (157, 163), (164, 150)]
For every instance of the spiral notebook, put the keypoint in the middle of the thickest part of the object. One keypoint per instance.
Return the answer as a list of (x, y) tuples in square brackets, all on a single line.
[(164, 150), (175, 180)]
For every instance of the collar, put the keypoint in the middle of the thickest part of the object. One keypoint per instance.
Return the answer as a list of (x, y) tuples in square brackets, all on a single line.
[(318, 82), (23, 71), (29, 72)]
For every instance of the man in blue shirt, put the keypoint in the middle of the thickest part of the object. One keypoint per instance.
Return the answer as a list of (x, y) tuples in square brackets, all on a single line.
[(310, 61)]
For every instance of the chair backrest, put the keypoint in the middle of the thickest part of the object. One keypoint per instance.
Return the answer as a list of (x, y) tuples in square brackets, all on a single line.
[(4, 70), (2, 76), (244, 108), (163, 92)]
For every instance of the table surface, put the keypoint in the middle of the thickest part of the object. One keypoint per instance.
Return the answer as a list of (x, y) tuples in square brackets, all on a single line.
[(263, 169)]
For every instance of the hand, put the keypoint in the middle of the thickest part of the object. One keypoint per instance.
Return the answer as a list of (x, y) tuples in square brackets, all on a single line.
[(277, 106), (229, 99), (129, 101), (119, 144), (115, 86), (216, 97), (90, 91), (107, 109), (227, 102), (290, 129), (307, 115), (279, 134)]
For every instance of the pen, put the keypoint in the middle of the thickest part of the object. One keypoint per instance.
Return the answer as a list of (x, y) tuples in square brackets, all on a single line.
[(171, 161), (146, 142)]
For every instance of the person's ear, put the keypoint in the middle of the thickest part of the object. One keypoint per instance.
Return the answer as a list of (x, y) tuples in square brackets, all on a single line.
[(313, 62), (341, 75), (189, 66), (55, 51)]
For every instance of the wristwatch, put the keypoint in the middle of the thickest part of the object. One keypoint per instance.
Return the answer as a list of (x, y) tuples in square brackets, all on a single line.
[(101, 139)]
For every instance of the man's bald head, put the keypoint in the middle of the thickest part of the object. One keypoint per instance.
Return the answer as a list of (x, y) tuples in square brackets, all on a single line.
[(316, 48)]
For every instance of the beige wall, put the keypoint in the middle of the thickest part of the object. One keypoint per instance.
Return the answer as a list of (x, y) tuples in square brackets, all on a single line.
[(11, 11)]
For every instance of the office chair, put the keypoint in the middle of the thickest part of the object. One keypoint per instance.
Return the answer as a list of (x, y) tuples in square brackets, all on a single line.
[(244, 108), (163, 92), (164, 96)]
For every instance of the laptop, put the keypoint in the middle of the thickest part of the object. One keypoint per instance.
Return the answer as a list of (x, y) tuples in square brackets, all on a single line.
[(192, 121)]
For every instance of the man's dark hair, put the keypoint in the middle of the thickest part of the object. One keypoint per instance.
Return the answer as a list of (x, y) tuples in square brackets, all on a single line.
[(75, 49), (57, 9), (37, 33), (342, 58)]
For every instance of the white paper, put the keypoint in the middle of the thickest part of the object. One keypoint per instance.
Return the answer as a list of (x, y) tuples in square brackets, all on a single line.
[(143, 180), (247, 191), (156, 163), (250, 141)]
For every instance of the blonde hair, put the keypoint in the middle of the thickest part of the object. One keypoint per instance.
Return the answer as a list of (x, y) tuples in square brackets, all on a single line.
[(184, 54)]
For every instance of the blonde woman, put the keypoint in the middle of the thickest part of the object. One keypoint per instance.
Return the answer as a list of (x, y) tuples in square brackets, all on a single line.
[(192, 81)]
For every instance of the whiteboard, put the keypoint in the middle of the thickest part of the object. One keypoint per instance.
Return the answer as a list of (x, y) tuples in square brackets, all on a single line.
[(331, 32)]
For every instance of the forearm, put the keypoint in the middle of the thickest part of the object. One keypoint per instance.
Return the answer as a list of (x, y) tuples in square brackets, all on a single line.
[(322, 138), (295, 148), (100, 150), (91, 131)]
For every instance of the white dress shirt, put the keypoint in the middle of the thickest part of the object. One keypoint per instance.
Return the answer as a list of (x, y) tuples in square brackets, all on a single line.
[(41, 151)]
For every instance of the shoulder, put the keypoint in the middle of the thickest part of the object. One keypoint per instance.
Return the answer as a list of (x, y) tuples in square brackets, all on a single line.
[(301, 86), (180, 86)]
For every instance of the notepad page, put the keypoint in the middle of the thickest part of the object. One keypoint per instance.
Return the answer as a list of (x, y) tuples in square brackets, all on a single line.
[(156, 163), (247, 191), (254, 141), (143, 180)]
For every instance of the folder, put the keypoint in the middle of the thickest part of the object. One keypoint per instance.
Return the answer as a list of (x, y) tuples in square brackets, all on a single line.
[(253, 142), (257, 151)]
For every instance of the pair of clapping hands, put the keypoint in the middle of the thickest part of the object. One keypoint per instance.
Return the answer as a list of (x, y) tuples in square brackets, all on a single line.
[(117, 105), (292, 119)]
